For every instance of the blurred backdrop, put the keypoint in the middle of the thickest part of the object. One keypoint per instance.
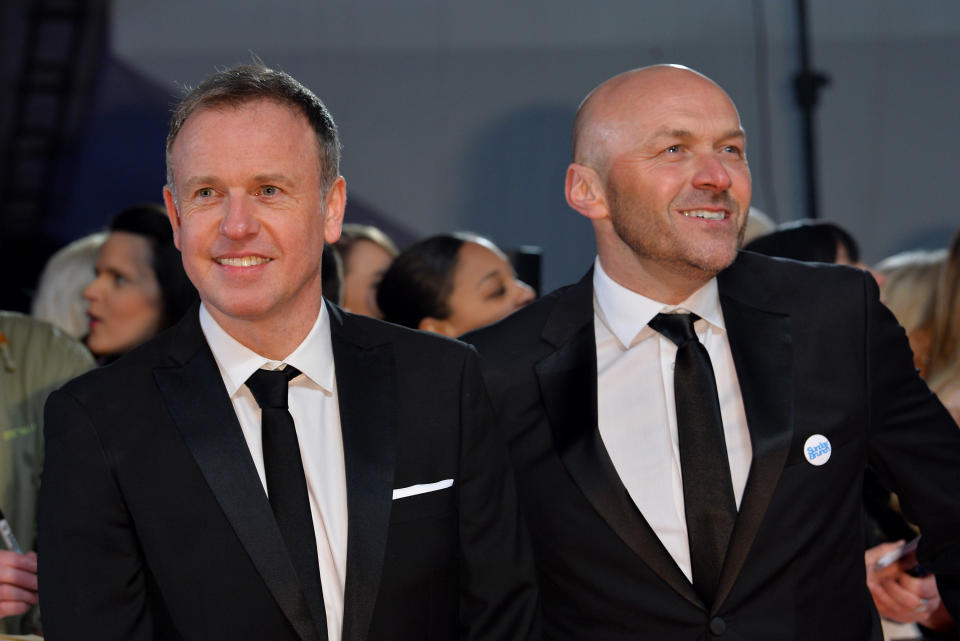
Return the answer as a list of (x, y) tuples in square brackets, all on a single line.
[(456, 115)]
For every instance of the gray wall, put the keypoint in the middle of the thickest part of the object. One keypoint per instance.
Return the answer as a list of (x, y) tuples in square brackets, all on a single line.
[(456, 115)]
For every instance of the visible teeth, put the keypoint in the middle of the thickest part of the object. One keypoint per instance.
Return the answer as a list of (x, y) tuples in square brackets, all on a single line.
[(702, 213), (245, 261)]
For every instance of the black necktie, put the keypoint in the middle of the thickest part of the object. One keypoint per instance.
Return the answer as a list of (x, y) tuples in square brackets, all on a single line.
[(707, 490), (286, 484)]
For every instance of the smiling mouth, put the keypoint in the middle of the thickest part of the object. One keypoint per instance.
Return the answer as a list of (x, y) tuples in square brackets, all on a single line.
[(245, 261), (705, 214)]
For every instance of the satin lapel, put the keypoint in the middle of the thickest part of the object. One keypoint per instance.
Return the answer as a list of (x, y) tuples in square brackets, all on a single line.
[(202, 411), (367, 391), (568, 384), (762, 346)]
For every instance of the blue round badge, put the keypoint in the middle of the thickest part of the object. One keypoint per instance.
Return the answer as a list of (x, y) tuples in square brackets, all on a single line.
[(817, 449)]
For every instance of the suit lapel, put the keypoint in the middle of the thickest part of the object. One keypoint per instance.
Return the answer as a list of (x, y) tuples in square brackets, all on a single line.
[(194, 394), (761, 343), (367, 392), (568, 384)]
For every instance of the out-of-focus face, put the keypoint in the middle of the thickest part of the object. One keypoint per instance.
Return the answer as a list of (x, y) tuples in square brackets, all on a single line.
[(362, 270), (670, 157), (249, 216), (125, 303), (485, 290)]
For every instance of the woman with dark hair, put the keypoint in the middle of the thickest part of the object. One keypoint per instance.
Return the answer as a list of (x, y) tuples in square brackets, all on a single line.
[(140, 287), (451, 284), (810, 241)]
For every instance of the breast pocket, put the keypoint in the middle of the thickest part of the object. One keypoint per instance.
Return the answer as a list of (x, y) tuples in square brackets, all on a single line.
[(425, 505)]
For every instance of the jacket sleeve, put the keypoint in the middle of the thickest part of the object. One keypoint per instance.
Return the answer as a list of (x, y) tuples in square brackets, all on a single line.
[(92, 578), (914, 446), (499, 599)]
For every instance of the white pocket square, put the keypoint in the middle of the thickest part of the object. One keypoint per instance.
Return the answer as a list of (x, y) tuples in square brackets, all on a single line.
[(423, 488)]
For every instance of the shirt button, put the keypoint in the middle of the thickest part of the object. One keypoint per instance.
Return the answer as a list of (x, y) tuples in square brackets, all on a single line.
[(673, 366), (717, 626)]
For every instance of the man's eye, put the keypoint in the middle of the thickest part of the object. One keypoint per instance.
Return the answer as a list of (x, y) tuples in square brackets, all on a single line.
[(673, 149), (206, 192), (269, 190), (733, 149), (119, 280)]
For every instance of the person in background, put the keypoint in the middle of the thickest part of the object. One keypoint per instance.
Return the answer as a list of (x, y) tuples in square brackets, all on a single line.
[(59, 297), (331, 274), (365, 253), (909, 290), (140, 287), (451, 284), (943, 368), (35, 359)]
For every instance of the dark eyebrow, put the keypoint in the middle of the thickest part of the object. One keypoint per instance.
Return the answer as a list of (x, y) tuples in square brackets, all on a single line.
[(271, 178)]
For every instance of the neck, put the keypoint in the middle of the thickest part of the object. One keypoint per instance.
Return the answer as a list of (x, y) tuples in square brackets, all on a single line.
[(274, 338), (666, 283)]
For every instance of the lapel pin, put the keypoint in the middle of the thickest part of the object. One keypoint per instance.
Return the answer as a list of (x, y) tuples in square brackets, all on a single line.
[(817, 449)]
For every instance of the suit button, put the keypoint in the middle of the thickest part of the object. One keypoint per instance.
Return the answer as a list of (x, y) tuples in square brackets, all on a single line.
[(717, 626)]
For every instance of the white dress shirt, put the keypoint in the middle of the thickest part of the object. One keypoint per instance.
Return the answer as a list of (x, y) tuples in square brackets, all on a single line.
[(635, 397), (312, 399)]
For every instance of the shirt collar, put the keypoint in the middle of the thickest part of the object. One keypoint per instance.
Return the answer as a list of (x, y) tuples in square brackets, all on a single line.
[(626, 313), (313, 357)]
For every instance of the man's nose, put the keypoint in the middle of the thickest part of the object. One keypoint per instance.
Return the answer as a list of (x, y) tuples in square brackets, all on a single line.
[(711, 174), (239, 220)]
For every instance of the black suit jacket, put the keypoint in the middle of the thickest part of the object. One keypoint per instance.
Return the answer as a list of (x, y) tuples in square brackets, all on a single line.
[(154, 524), (815, 353)]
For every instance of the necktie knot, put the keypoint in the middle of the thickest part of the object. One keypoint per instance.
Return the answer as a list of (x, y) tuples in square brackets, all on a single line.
[(269, 387), (677, 327)]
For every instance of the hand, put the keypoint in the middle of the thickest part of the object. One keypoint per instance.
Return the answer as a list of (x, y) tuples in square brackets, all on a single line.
[(904, 598), (18, 582)]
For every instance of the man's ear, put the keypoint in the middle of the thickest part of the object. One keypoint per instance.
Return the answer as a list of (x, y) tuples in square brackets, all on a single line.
[(437, 326), (173, 214), (584, 191), (334, 206)]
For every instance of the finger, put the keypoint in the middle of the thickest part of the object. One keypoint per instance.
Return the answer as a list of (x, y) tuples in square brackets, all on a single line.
[(902, 604), (888, 607), (873, 555), (20, 578), (26, 561), (13, 593), (13, 608), (924, 587)]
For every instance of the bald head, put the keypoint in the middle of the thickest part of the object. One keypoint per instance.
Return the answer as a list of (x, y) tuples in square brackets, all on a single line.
[(607, 115)]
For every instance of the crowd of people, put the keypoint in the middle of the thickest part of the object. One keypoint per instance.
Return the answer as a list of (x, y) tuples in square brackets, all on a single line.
[(582, 444)]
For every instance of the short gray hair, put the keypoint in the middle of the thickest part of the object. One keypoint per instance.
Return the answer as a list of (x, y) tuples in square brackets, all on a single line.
[(246, 83)]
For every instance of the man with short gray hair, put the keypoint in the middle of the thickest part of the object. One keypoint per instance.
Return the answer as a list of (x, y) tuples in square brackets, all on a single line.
[(273, 467)]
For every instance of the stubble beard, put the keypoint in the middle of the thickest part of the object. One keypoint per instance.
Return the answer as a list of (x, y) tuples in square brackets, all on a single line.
[(645, 233)]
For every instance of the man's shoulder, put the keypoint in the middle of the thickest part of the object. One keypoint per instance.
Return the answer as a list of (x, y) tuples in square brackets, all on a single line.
[(789, 283), (371, 332), (522, 331)]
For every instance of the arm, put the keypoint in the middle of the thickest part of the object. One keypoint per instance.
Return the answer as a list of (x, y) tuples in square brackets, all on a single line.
[(914, 447), (91, 565), (498, 591)]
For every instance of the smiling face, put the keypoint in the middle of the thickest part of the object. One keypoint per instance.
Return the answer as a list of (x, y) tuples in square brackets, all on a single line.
[(250, 219), (485, 290), (126, 307), (663, 157)]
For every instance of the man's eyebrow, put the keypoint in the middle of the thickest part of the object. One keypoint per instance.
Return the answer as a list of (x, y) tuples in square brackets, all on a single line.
[(685, 134), (271, 178), (199, 180)]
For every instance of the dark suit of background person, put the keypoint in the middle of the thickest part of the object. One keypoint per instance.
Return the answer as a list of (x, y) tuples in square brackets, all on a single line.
[(814, 353), (154, 522)]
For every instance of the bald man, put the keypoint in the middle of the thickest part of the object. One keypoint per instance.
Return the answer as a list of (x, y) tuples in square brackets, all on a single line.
[(702, 479)]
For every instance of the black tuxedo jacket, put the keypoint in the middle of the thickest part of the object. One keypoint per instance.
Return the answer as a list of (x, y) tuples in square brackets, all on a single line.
[(815, 353), (154, 524)]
